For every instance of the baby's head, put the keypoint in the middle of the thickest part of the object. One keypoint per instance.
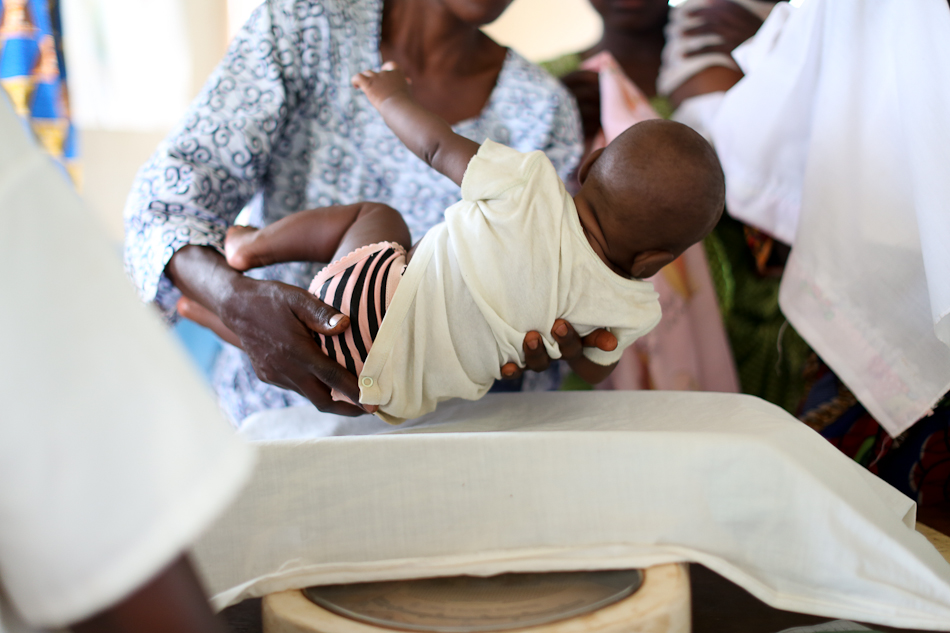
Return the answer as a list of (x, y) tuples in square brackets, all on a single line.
[(656, 190)]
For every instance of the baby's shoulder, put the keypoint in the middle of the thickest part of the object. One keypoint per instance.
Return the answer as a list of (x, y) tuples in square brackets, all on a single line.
[(499, 171)]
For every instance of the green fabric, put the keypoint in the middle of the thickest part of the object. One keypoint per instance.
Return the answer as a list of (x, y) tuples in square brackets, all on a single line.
[(662, 106), (770, 355), (563, 65), (573, 382)]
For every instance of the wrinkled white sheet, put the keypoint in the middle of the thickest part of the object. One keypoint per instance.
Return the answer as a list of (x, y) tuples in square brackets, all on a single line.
[(559, 481), (837, 141)]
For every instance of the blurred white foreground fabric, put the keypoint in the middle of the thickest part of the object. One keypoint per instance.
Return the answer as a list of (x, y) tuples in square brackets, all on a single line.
[(113, 455), (837, 141), (583, 480)]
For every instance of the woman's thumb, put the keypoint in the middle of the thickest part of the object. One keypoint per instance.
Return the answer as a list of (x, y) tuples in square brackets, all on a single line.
[(322, 318)]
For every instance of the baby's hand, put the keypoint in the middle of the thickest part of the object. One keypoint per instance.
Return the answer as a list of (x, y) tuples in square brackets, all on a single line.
[(379, 86)]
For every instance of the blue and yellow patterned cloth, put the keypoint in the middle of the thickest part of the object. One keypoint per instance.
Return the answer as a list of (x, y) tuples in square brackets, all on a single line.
[(33, 73)]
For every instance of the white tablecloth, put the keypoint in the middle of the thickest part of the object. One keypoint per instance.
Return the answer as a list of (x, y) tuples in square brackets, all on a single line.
[(558, 481)]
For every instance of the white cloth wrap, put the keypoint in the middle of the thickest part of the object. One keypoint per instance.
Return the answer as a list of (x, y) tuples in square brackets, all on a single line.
[(113, 454), (519, 482), (837, 142)]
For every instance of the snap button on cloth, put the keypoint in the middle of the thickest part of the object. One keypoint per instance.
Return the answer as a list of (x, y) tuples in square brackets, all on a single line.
[(366, 381)]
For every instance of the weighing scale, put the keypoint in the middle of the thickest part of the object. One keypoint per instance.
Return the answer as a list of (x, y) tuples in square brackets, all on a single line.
[(655, 600)]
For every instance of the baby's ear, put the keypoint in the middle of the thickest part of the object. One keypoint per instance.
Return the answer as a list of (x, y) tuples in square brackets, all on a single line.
[(587, 164), (649, 263)]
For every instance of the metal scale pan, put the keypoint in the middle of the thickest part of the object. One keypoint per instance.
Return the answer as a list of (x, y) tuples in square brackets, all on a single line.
[(655, 600), (469, 604)]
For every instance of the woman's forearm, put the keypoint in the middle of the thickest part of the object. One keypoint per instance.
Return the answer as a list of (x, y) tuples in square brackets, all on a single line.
[(714, 79), (274, 324), (202, 274)]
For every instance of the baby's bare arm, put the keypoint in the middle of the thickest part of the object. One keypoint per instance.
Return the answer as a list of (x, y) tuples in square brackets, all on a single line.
[(425, 134)]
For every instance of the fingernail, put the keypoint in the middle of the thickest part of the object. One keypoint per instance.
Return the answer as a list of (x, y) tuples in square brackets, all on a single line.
[(533, 343), (508, 373), (336, 318), (560, 329)]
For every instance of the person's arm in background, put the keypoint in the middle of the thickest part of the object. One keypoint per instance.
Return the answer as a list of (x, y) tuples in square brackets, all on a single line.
[(191, 191), (734, 24), (584, 85), (713, 79)]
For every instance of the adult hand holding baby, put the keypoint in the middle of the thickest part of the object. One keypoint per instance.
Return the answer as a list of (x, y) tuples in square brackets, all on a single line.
[(271, 321), (572, 347)]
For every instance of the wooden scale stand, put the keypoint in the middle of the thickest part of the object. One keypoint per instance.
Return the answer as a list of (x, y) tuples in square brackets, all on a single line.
[(655, 600)]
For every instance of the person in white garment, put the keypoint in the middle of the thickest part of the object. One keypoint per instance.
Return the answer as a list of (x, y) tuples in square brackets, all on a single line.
[(113, 458)]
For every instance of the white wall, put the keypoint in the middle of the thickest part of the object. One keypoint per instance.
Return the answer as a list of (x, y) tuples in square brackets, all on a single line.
[(121, 115)]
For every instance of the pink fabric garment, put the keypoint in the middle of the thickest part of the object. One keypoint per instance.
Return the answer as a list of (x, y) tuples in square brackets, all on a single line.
[(688, 350), (361, 285), (622, 103)]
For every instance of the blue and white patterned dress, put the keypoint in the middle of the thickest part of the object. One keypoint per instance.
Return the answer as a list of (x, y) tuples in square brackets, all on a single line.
[(278, 125)]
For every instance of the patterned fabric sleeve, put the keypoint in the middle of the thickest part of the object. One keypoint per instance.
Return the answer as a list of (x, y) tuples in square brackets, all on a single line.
[(558, 110), (201, 177), (566, 143)]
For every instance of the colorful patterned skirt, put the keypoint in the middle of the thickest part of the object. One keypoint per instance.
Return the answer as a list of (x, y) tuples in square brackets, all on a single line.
[(33, 73)]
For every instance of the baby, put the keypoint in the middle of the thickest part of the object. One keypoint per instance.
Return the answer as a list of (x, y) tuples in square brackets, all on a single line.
[(438, 320)]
